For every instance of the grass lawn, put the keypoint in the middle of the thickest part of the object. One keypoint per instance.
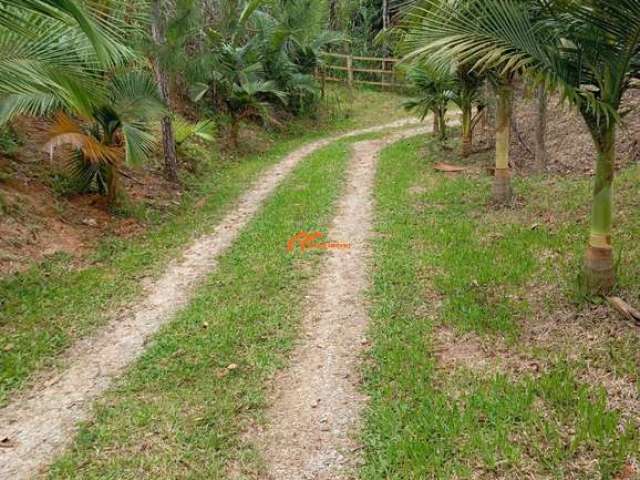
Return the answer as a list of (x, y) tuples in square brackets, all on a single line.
[(487, 360), (43, 310)]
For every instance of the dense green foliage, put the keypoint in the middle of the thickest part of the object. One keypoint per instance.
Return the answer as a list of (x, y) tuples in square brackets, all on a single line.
[(231, 61)]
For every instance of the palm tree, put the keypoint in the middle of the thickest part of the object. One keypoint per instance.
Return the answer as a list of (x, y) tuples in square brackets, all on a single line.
[(290, 39), (440, 85), (426, 34), (52, 53), (467, 95), (589, 49), (237, 79), (95, 19), (114, 134), (435, 89)]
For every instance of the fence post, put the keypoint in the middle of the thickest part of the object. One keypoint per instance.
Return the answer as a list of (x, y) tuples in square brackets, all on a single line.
[(350, 70)]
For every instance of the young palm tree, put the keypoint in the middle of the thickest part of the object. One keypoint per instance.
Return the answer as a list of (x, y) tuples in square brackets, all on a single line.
[(435, 89), (426, 35), (467, 95), (116, 133), (290, 39), (589, 49), (236, 78)]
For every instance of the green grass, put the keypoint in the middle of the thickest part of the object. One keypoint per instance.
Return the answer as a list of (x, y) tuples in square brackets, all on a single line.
[(178, 412), (446, 259), (45, 309)]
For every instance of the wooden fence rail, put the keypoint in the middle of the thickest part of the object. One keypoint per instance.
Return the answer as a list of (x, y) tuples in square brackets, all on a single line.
[(387, 75)]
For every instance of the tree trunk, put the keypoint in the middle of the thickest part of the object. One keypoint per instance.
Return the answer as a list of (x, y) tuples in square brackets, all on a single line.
[(541, 131), (442, 127), (385, 15), (234, 133), (333, 15), (467, 131), (112, 185), (502, 192), (168, 137), (386, 20), (436, 124), (599, 264)]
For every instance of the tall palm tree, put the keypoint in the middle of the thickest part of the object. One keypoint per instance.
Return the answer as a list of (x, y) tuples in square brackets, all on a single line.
[(589, 49)]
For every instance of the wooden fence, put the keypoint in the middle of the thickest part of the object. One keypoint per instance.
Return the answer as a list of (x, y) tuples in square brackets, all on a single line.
[(353, 70)]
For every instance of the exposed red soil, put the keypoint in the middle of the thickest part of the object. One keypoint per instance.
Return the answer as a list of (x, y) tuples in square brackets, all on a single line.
[(36, 222)]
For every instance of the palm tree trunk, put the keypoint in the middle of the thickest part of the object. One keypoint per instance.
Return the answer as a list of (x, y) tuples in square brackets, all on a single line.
[(467, 131), (333, 15), (168, 137), (442, 127), (112, 185), (502, 192), (385, 26), (541, 130), (385, 15), (599, 264), (436, 123)]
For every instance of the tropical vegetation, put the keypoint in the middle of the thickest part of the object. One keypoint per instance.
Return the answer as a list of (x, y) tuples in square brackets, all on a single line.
[(495, 346), (65, 60), (589, 51)]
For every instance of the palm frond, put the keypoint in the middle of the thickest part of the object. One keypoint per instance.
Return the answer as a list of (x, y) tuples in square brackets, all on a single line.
[(66, 131)]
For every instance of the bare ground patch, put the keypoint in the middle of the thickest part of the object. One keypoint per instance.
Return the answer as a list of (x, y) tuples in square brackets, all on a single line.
[(583, 340)]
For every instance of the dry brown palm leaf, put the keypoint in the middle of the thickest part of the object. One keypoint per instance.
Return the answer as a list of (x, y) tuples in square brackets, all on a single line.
[(445, 167), (624, 309), (66, 131)]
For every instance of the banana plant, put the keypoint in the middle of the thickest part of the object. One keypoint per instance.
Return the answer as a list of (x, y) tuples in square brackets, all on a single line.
[(589, 50)]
